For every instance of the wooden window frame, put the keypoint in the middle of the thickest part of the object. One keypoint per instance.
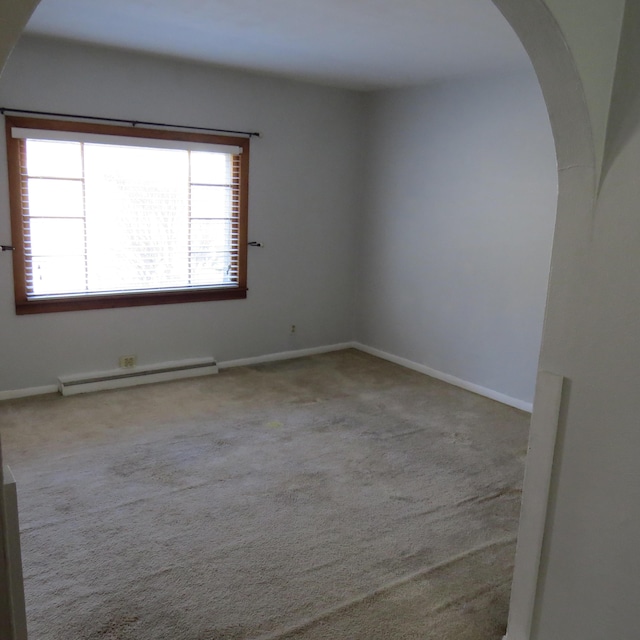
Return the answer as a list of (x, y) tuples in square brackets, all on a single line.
[(25, 305)]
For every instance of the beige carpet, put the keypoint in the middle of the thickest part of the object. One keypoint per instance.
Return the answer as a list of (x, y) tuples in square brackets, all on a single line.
[(337, 496)]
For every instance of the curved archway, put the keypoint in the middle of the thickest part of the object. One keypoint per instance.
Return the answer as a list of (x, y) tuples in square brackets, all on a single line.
[(563, 92), (564, 96), (561, 85)]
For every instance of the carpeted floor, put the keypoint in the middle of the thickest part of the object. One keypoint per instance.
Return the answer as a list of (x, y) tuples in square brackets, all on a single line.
[(337, 496)]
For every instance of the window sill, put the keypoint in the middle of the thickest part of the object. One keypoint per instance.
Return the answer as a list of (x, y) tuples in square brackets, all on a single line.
[(114, 301)]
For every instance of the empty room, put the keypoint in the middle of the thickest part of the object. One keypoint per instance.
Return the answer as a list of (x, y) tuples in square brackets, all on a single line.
[(300, 410)]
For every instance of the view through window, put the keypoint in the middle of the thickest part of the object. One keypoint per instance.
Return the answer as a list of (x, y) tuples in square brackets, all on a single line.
[(104, 219)]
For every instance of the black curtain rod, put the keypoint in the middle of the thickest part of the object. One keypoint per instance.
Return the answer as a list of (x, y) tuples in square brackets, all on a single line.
[(133, 123)]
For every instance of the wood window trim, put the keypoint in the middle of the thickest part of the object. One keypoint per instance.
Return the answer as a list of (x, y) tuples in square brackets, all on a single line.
[(25, 305)]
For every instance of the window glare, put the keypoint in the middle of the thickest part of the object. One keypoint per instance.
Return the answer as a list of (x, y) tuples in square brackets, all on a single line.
[(211, 202), (54, 159), (58, 275), (210, 168), (110, 216), (136, 163), (55, 198), (138, 213)]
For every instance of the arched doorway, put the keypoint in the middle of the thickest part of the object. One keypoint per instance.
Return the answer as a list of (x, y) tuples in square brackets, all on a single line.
[(564, 97), (561, 86)]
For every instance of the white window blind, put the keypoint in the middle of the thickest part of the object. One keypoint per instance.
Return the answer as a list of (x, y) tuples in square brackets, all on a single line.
[(106, 214)]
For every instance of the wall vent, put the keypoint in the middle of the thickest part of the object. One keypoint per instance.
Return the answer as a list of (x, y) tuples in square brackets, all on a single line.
[(117, 378)]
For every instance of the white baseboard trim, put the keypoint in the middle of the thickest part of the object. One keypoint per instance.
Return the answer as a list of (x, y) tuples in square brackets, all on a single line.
[(13, 394), (300, 353), (285, 355), (445, 377)]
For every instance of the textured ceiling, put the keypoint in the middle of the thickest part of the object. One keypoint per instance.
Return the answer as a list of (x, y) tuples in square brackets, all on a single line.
[(360, 44)]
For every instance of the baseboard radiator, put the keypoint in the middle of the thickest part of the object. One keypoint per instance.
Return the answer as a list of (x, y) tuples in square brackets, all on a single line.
[(117, 378)]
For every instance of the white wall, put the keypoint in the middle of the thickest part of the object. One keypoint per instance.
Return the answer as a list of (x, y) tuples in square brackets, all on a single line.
[(303, 192), (591, 579), (590, 587), (468, 166), (461, 194), (590, 583), (583, 22)]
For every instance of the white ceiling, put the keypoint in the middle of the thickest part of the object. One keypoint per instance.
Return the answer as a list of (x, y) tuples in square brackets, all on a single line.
[(359, 44)]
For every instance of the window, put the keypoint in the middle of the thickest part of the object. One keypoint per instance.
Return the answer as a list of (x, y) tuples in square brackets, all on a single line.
[(105, 216)]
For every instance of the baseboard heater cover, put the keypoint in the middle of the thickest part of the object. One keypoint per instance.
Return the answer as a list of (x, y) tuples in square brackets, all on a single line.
[(117, 378)]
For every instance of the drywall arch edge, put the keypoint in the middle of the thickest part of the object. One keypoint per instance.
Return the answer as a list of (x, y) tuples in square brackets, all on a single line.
[(559, 79), (14, 15), (572, 128), (564, 95)]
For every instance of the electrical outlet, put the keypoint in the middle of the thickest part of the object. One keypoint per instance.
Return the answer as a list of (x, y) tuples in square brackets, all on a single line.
[(293, 328), (127, 362)]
